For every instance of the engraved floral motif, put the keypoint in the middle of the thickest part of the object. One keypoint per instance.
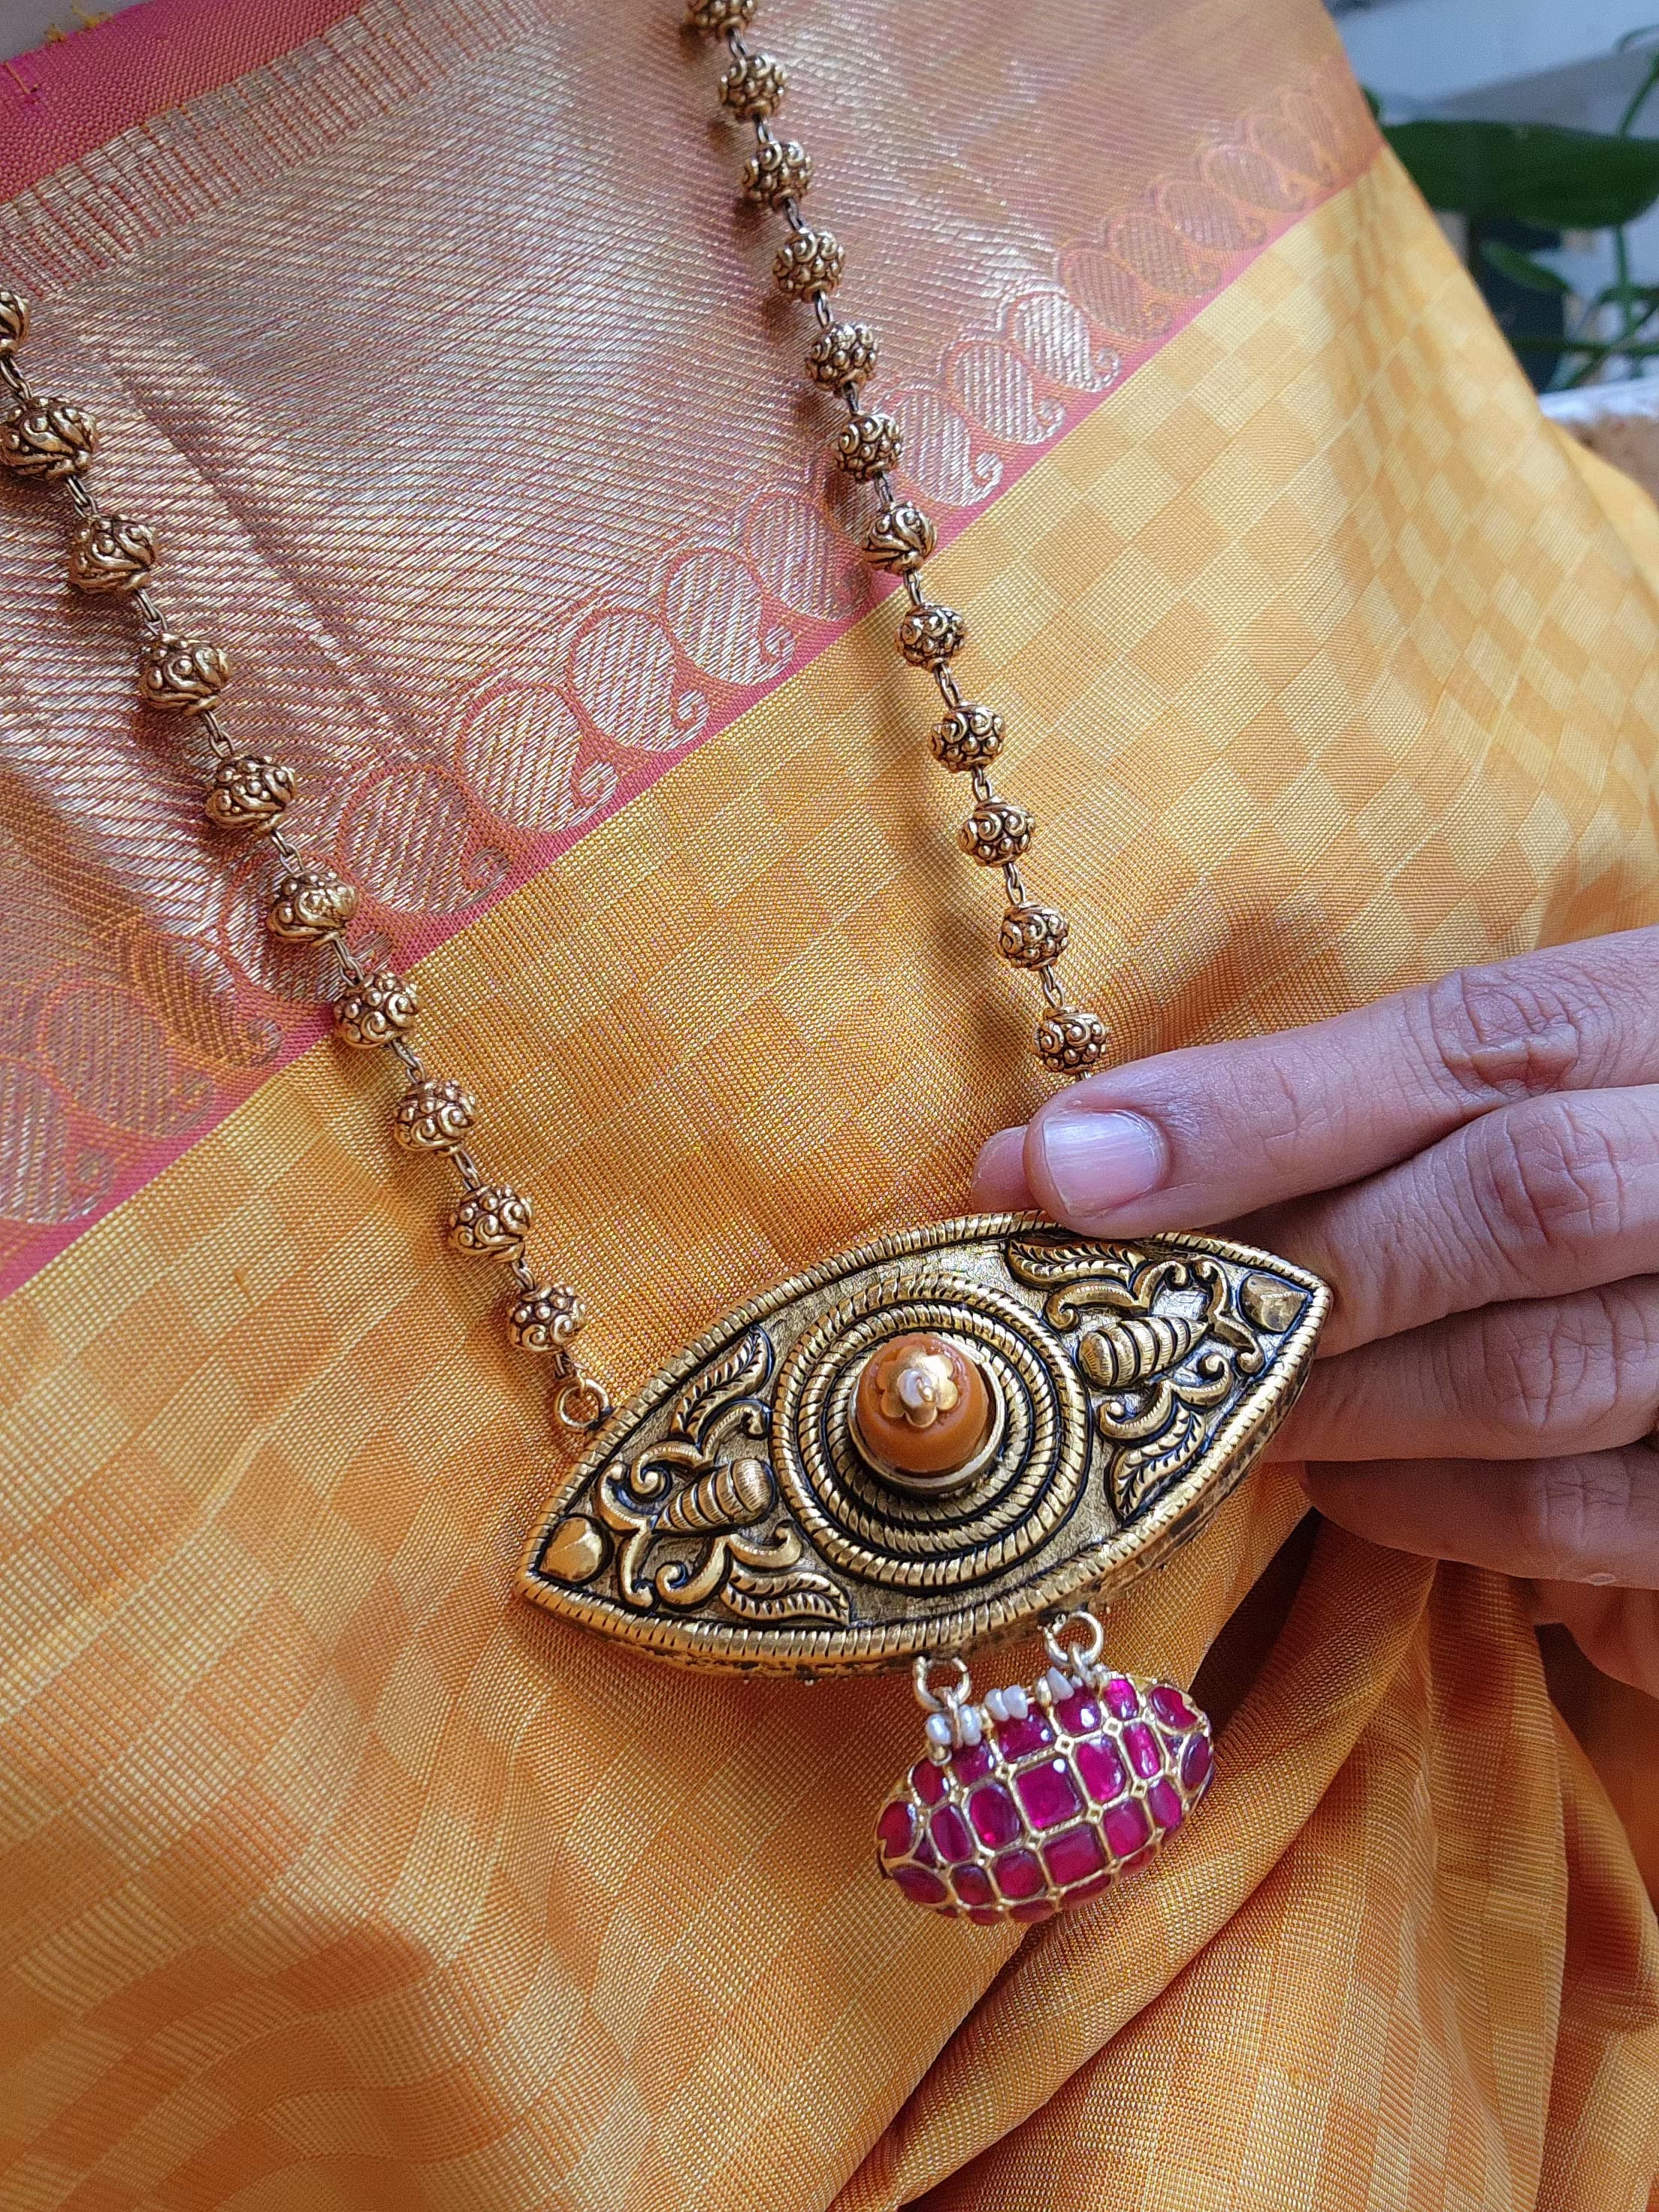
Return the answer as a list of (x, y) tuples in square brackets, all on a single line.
[(248, 794), (778, 169), (844, 354), (1070, 1039), (868, 445), (1032, 936), (371, 1013), (967, 738), (433, 1115), (111, 554), (545, 1318), (900, 539), (309, 903), (930, 635), (491, 1223), (689, 1520), (1170, 1357), (180, 675), (811, 262), (50, 439), (996, 832)]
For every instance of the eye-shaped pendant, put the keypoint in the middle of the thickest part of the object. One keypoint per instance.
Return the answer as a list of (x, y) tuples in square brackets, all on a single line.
[(926, 1443), (929, 1442)]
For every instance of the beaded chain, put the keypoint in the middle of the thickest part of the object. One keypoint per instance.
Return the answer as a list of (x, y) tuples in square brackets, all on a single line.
[(53, 442), (997, 834)]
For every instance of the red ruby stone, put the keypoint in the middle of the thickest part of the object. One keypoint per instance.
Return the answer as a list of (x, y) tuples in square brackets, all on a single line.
[(1041, 1910), (1165, 1805), (1126, 1829), (1075, 1856), (1195, 1763), (927, 1780), (1121, 1698), (1018, 1874), (895, 1830), (1048, 1793), (924, 1888), (971, 1762), (1105, 1775), (992, 1810), (950, 1833), (1169, 1705), (974, 1885), (1142, 1746), (1016, 1738), (1079, 1715)]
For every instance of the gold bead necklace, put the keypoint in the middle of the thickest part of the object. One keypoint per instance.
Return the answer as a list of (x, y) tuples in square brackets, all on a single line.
[(941, 1435)]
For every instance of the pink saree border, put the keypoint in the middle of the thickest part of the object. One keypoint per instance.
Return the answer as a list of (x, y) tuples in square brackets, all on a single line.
[(61, 100), (1275, 168)]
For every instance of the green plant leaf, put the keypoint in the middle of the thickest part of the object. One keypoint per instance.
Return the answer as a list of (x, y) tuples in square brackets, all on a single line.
[(1536, 173), (1521, 267)]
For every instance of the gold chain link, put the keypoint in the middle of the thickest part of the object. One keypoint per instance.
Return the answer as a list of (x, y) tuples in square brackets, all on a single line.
[(53, 443), (1070, 1040)]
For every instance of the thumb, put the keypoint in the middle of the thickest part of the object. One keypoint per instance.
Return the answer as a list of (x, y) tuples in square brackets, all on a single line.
[(1210, 1133)]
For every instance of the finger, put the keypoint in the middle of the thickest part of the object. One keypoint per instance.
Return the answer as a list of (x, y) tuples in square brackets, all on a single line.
[(1197, 1136), (1538, 1199), (1617, 1630), (1000, 1184), (1593, 1518), (1529, 1381)]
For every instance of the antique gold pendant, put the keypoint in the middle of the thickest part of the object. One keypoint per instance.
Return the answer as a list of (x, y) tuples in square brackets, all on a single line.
[(925, 1442)]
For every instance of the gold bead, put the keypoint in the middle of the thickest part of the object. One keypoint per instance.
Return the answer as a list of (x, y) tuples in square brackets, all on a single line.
[(967, 738), (180, 675), (547, 1318), (1032, 936), (778, 169), (248, 794), (714, 18), (811, 262), (371, 1013), (433, 1115), (14, 322), (868, 445), (996, 832), (491, 1223), (1069, 1039), (844, 354), (900, 539), (110, 554), (929, 635), (753, 87), (50, 439), (311, 904)]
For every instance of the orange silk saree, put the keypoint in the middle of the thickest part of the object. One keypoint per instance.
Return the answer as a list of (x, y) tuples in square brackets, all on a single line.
[(333, 1877)]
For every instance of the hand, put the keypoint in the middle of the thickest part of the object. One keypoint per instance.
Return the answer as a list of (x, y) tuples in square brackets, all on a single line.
[(1474, 1169)]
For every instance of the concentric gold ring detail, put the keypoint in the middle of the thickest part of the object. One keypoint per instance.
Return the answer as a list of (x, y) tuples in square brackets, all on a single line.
[(905, 1542)]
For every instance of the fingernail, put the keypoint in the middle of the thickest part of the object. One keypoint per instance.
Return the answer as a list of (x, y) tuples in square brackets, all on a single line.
[(999, 1170), (1096, 1163)]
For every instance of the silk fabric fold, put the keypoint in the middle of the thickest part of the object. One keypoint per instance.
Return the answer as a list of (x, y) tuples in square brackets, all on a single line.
[(330, 1874)]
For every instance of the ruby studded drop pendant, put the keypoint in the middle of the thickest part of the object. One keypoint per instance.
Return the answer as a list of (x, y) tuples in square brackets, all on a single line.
[(1038, 1799)]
